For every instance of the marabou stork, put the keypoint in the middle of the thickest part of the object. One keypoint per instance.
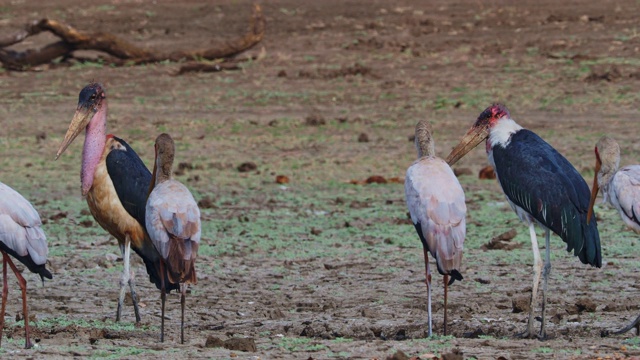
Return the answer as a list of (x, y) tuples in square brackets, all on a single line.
[(436, 203), (620, 188), (116, 183), (541, 186), (173, 223), (22, 238)]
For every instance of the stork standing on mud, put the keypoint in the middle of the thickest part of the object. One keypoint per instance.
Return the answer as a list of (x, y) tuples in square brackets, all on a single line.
[(22, 238), (541, 186), (436, 203), (173, 223), (116, 183), (621, 189)]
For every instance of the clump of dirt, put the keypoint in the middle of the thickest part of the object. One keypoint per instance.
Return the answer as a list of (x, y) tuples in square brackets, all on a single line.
[(363, 138), (282, 179), (315, 120), (206, 203), (503, 242), (247, 166), (462, 171), (352, 70), (487, 173), (520, 303)]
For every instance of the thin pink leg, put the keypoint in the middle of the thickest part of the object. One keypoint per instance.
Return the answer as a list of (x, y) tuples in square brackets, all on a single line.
[(23, 286), (5, 292), (446, 285)]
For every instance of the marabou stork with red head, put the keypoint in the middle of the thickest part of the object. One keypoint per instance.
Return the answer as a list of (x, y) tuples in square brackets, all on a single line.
[(620, 188), (22, 238), (115, 182), (541, 186), (435, 200)]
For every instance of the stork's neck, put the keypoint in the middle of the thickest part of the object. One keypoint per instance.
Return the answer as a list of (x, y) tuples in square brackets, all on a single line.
[(605, 176), (94, 143), (163, 170), (501, 132)]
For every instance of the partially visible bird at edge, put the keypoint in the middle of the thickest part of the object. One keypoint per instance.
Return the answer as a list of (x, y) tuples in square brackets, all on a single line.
[(22, 238), (621, 189)]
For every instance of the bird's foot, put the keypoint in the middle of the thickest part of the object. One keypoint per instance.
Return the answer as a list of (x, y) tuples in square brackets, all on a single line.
[(28, 344), (542, 336), (527, 334)]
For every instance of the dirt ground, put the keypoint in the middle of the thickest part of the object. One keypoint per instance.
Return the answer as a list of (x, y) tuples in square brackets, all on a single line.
[(319, 268)]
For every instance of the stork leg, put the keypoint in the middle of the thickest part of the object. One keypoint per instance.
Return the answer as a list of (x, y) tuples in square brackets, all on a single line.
[(537, 270), (446, 286), (545, 275), (428, 282), (127, 279), (23, 286), (163, 297), (183, 290), (5, 292)]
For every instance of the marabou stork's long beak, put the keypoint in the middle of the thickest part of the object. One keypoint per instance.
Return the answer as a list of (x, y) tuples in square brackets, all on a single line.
[(80, 120), (476, 134), (594, 189)]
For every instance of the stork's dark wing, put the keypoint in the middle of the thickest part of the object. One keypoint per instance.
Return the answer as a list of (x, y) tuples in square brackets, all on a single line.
[(130, 178), (537, 178)]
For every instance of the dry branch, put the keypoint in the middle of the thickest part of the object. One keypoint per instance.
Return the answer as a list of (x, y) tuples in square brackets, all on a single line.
[(122, 51)]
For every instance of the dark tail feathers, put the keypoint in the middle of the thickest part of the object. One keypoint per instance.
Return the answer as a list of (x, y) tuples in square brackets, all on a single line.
[(151, 259)]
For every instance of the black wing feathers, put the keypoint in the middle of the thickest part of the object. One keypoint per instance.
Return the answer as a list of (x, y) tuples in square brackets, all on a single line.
[(28, 262), (131, 179), (540, 180)]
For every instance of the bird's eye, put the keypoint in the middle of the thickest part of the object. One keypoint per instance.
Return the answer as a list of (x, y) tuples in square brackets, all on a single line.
[(93, 97)]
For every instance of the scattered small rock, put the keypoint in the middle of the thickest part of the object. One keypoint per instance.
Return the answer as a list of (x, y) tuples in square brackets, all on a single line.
[(377, 179), (369, 313), (206, 203), (240, 344), (282, 73), (586, 304), (462, 172), (86, 223), (282, 179), (315, 231), (399, 355), (58, 216), (247, 166), (363, 138), (315, 120), (455, 354), (41, 136), (213, 342), (483, 281), (359, 204), (503, 242), (520, 303), (487, 173)]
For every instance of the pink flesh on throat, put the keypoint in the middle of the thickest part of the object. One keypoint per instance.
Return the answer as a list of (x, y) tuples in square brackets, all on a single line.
[(94, 143)]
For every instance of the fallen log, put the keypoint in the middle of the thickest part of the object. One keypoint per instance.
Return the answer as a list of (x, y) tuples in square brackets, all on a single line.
[(121, 51)]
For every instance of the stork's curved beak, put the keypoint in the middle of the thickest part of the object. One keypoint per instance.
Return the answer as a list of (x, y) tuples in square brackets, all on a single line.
[(594, 189), (80, 120), (476, 134)]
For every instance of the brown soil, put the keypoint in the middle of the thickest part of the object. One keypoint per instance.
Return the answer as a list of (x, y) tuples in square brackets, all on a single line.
[(375, 68)]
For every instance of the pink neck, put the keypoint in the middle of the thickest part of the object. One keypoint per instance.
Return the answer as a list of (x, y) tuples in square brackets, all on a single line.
[(94, 142)]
